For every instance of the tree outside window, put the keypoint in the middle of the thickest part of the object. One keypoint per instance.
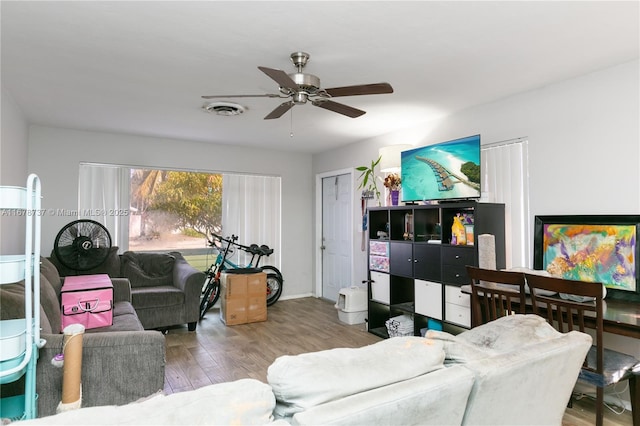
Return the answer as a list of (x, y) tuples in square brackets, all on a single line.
[(173, 209)]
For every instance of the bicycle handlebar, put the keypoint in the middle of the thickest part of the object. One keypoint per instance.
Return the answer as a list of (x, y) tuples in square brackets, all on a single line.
[(232, 240), (254, 249)]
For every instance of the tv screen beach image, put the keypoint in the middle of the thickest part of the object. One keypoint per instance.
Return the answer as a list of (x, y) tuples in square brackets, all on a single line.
[(447, 170)]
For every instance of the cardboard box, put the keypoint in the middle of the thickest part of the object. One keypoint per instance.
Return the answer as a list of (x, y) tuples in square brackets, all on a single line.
[(243, 298)]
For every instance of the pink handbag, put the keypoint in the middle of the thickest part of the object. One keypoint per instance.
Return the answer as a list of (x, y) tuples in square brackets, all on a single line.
[(87, 300)]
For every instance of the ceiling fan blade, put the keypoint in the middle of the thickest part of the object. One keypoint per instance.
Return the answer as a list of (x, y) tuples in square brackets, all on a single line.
[(280, 110), (362, 89), (281, 78), (268, 95), (339, 108)]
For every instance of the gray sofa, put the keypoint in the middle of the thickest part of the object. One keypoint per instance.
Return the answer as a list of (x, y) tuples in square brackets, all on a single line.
[(165, 289), (120, 364), (516, 370)]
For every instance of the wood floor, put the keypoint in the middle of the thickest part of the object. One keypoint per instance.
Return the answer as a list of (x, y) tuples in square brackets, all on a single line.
[(215, 353)]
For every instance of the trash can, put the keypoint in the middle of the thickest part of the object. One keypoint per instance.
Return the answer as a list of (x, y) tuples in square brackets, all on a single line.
[(352, 305)]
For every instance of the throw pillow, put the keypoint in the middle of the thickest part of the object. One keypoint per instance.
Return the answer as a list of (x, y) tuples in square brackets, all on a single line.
[(50, 271), (148, 269), (12, 306), (50, 304), (110, 266)]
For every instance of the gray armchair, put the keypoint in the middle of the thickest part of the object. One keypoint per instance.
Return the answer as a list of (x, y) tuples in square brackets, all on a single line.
[(165, 289)]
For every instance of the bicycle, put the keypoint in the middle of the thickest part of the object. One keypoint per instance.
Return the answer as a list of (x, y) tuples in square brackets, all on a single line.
[(211, 285)]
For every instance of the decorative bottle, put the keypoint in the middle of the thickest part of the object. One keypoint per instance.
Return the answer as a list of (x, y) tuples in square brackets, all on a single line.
[(458, 236)]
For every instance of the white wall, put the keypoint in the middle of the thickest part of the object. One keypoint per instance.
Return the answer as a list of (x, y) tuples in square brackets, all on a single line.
[(13, 169), (584, 148), (56, 153), (584, 143)]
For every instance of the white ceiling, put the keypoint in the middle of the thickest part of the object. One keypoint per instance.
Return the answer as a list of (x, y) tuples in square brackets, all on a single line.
[(141, 67)]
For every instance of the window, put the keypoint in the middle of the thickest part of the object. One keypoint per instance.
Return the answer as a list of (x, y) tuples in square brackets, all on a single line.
[(506, 180), (155, 209)]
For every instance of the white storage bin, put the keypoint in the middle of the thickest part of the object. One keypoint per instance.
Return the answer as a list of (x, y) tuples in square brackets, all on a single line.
[(352, 305), (380, 290), (13, 338), (12, 267), (428, 299)]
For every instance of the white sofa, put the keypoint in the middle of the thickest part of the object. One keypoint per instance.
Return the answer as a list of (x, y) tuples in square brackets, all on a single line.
[(515, 370), (524, 370)]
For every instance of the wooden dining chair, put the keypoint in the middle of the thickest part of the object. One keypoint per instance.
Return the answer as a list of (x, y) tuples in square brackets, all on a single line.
[(602, 367), (491, 298)]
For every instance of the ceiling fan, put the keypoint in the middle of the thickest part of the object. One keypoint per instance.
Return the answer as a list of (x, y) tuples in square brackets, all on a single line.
[(299, 87)]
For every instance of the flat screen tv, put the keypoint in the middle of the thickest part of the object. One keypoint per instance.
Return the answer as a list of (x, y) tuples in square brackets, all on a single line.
[(444, 171), (601, 248)]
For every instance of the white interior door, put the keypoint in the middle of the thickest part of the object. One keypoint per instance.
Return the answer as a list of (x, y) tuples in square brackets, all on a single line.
[(336, 235)]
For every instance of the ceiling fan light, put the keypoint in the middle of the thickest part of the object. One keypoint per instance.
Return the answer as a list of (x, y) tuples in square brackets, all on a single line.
[(300, 98)]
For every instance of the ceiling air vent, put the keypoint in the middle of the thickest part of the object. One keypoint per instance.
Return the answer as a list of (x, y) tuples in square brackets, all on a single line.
[(224, 108)]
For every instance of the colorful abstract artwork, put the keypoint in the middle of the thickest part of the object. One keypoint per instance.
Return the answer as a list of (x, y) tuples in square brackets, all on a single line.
[(602, 253)]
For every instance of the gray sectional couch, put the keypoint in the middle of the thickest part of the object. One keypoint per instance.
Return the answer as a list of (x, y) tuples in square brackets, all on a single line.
[(120, 364)]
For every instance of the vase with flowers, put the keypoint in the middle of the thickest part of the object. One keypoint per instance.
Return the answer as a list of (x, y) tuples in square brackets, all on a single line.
[(393, 182)]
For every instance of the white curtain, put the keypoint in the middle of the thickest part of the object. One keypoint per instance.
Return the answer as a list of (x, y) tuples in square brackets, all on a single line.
[(251, 210), (505, 179), (103, 196)]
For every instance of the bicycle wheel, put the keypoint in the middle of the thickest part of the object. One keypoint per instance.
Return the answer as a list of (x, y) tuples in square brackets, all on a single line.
[(272, 269), (274, 288), (211, 295)]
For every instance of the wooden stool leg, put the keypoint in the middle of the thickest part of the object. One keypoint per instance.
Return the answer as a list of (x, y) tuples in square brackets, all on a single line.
[(599, 406), (634, 392)]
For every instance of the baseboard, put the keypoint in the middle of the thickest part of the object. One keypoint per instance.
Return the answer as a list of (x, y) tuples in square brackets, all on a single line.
[(296, 296)]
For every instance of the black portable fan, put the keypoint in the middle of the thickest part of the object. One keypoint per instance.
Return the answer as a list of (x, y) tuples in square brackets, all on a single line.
[(82, 244)]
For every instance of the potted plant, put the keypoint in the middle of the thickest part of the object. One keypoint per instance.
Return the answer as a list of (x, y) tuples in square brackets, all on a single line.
[(368, 182)]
